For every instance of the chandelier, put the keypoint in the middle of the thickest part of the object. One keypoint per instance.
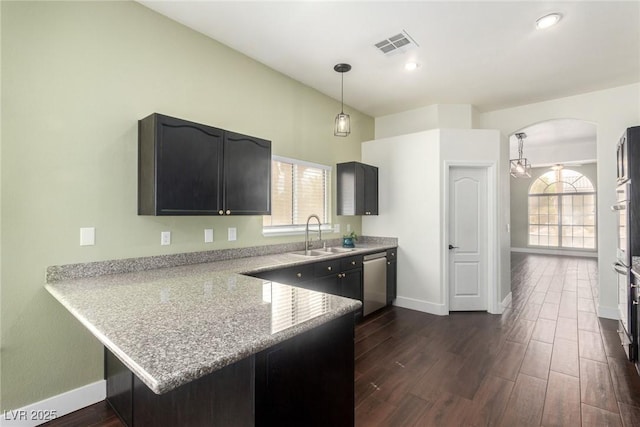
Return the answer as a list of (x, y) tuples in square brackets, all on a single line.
[(520, 167)]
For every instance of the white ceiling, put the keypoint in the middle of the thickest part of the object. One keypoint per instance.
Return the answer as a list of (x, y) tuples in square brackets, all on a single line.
[(488, 54), (561, 141)]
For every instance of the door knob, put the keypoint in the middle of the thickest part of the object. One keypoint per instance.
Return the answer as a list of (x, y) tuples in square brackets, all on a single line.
[(452, 247)]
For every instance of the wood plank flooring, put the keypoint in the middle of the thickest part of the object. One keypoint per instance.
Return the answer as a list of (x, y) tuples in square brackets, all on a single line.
[(548, 360)]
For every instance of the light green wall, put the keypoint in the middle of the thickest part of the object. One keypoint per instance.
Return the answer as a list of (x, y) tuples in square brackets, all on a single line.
[(76, 77), (519, 200)]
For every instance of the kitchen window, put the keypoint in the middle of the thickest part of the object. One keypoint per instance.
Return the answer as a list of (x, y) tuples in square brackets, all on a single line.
[(562, 211), (298, 189)]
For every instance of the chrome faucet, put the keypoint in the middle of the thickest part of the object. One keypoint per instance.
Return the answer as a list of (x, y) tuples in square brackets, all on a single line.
[(307, 244)]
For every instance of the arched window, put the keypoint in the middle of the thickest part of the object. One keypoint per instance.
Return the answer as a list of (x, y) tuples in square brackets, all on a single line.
[(562, 210)]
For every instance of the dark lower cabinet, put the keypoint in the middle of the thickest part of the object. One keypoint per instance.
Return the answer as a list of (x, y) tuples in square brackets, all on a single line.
[(119, 387), (392, 275), (341, 276), (307, 380), (350, 284)]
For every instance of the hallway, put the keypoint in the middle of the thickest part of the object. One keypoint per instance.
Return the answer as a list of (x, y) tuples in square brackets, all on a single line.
[(548, 360)]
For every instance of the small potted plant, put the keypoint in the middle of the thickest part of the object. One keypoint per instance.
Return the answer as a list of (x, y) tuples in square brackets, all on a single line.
[(349, 239)]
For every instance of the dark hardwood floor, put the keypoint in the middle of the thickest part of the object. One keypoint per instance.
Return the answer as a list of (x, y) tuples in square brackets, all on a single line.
[(548, 360)]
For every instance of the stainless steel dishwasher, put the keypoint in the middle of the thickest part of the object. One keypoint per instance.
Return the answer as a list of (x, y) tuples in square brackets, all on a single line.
[(375, 282)]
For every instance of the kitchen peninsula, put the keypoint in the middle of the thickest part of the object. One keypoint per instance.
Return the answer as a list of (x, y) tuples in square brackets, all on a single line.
[(202, 344)]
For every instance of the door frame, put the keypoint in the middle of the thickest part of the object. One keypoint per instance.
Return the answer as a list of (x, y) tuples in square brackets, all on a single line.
[(494, 306)]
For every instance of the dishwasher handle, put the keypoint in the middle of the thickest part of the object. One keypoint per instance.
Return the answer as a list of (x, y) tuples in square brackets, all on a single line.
[(377, 255)]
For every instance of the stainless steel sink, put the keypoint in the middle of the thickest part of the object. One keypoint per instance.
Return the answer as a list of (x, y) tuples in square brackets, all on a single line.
[(338, 250), (322, 252), (311, 253)]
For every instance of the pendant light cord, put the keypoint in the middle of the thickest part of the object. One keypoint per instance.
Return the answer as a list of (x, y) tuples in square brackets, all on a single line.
[(520, 144), (342, 94)]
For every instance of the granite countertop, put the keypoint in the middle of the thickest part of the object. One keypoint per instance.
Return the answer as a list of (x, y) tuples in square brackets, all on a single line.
[(173, 325)]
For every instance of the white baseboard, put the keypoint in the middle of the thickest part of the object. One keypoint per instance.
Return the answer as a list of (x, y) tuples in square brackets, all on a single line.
[(608, 312), (56, 406), (506, 302), (556, 252), (421, 305)]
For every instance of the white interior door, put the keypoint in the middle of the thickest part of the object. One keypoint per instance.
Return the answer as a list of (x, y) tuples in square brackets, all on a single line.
[(467, 238)]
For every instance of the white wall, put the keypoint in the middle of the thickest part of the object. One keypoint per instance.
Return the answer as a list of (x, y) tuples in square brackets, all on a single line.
[(412, 189), (457, 116), (409, 194), (612, 111)]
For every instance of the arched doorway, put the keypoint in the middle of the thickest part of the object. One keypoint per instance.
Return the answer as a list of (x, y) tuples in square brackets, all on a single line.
[(553, 148)]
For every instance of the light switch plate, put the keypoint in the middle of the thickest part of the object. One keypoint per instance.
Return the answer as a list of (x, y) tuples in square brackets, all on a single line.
[(165, 238), (87, 236), (348, 228), (208, 235), (232, 234), (336, 228)]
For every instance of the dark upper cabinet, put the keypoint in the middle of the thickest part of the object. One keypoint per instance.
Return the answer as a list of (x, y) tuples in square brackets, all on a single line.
[(357, 189), (247, 175), (186, 168)]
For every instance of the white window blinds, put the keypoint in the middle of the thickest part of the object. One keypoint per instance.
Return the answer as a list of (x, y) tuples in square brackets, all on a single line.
[(298, 189)]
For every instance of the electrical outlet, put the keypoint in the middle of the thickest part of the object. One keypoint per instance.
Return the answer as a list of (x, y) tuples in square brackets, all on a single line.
[(336, 228), (165, 238), (87, 236), (348, 228), (232, 234), (208, 235)]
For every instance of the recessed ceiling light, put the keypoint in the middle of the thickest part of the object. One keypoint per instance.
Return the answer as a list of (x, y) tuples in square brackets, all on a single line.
[(410, 66), (548, 21)]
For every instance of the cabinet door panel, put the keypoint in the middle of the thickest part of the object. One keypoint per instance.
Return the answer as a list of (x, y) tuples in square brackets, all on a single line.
[(361, 176), (351, 285), (370, 190), (189, 168), (308, 380), (327, 284), (247, 175)]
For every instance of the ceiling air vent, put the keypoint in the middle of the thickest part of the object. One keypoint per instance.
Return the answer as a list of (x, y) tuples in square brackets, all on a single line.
[(400, 41)]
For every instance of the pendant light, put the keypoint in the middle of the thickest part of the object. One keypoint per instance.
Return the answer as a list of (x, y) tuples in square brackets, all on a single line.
[(520, 167), (343, 121)]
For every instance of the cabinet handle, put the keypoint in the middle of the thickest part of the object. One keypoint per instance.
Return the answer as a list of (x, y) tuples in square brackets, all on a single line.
[(228, 212), (220, 212), (393, 254), (329, 268), (299, 275), (353, 263), (388, 262), (341, 275)]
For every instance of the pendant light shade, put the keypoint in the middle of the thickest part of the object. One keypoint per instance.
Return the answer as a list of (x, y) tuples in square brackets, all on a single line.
[(520, 167), (343, 125), (343, 121)]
